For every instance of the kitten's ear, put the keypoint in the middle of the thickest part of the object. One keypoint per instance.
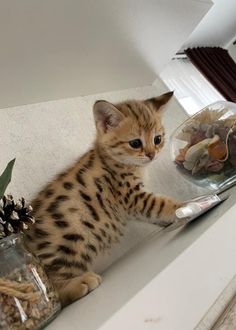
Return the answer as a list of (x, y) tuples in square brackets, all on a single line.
[(158, 103), (106, 115)]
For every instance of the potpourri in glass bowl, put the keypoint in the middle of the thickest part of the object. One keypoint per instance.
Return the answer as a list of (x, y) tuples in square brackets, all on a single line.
[(204, 146)]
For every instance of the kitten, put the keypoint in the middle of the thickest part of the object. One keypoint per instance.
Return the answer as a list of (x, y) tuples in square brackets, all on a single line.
[(84, 210)]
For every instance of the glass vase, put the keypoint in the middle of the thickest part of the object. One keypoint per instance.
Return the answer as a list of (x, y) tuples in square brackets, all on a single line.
[(27, 297)]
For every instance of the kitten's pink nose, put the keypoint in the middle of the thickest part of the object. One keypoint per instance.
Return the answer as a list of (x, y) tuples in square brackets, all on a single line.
[(150, 155)]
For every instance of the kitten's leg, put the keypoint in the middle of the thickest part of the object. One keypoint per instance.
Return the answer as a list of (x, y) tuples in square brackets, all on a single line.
[(72, 289), (154, 209)]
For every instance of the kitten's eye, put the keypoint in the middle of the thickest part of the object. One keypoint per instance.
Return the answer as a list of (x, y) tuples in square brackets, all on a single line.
[(137, 143), (157, 139)]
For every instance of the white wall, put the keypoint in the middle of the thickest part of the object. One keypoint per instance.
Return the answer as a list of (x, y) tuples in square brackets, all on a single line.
[(47, 137), (61, 48), (218, 26), (232, 51)]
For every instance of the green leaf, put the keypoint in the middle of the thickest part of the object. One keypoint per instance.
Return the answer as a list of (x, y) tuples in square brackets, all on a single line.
[(5, 178)]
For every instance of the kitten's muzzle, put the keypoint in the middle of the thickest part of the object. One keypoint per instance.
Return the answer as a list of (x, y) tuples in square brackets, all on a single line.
[(150, 155)]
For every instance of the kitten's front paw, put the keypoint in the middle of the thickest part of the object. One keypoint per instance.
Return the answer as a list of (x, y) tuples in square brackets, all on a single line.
[(170, 217), (91, 281)]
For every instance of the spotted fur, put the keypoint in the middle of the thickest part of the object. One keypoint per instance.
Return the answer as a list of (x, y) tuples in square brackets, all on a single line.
[(85, 209)]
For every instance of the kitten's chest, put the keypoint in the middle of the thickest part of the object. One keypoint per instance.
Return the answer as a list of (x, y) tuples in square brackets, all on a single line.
[(115, 187), (121, 189)]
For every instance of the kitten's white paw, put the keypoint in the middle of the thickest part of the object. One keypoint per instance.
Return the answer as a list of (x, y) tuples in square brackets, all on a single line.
[(171, 217)]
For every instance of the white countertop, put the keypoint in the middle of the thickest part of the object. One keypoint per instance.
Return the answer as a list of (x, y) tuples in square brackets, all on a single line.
[(178, 297), (168, 282)]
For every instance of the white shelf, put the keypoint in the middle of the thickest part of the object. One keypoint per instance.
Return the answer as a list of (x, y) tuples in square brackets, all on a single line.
[(57, 49)]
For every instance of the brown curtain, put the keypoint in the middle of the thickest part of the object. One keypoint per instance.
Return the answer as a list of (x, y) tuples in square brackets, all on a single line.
[(218, 67)]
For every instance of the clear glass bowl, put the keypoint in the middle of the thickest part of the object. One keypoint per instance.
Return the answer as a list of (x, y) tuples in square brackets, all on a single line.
[(203, 148), (27, 297)]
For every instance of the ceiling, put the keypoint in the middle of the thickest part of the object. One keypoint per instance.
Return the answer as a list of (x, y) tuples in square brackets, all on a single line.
[(217, 28)]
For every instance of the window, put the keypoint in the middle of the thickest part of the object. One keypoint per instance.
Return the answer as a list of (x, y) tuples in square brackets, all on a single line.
[(192, 89)]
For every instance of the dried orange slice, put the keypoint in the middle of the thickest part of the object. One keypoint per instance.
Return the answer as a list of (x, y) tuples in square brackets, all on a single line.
[(217, 150)]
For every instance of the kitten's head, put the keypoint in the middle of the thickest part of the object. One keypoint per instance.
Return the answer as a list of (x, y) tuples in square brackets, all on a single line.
[(131, 132)]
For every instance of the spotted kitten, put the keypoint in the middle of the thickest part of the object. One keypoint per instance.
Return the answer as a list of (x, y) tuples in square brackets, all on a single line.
[(84, 210)]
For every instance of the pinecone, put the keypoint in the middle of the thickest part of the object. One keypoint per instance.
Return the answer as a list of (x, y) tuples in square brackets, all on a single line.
[(14, 217)]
